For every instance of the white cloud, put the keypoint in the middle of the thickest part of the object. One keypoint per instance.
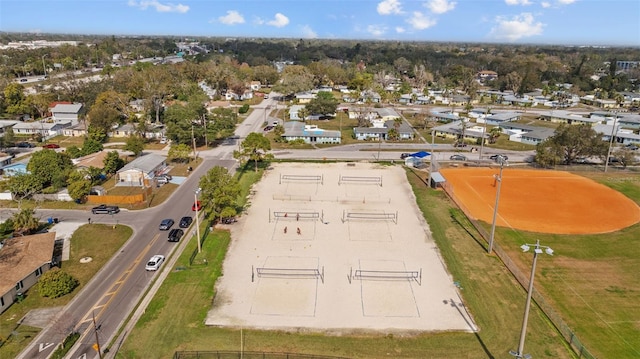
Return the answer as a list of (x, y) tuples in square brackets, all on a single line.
[(566, 2), (420, 22), (400, 29), (545, 4), (308, 33), (233, 17), (376, 30), (279, 20), (440, 6), (518, 2), (389, 7), (144, 4), (516, 27)]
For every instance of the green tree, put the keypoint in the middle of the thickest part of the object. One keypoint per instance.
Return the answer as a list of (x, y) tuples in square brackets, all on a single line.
[(294, 78), (25, 221), (254, 148), (323, 104), (50, 167), (56, 283), (79, 186), (179, 152), (494, 134), (112, 162), (23, 186), (568, 143), (90, 146), (14, 99), (220, 192), (134, 144)]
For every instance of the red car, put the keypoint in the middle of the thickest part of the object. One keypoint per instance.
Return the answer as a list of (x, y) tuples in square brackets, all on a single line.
[(51, 145), (196, 206)]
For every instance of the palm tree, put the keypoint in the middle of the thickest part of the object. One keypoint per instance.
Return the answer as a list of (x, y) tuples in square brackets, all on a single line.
[(494, 133), (24, 221)]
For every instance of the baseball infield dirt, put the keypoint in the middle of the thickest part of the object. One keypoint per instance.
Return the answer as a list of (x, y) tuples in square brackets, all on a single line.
[(542, 201)]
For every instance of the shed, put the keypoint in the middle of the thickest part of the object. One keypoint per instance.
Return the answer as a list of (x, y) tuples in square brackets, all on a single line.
[(437, 180)]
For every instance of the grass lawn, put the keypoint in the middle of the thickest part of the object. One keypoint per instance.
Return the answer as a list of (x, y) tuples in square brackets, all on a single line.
[(493, 297), (592, 280), (97, 241)]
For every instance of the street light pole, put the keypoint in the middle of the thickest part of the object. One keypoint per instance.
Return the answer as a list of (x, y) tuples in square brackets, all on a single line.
[(613, 134), (498, 179), (195, 203), (536, 250)]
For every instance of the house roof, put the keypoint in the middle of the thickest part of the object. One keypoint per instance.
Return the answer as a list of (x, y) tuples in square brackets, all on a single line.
[(67, 108), (92, 160), (504, 116), (20, 256), (298, 129), (403, 128), (146, 163), (386, 111)]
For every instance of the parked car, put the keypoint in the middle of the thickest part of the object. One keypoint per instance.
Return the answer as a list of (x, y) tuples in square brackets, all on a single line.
[(631, 146), (185, 222), (404, 155), (166, 224), (196, 206), (104, 209), (175, 235), (458, 158), (51, 145), (268, 128), (25, 145), (496, 157), (229, 220), (154, 262)]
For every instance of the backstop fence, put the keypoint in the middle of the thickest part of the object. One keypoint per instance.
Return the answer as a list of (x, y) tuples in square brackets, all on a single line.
[(522, 278), (246, 355)]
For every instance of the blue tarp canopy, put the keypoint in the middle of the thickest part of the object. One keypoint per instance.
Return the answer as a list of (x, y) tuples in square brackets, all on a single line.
[(421, 154)]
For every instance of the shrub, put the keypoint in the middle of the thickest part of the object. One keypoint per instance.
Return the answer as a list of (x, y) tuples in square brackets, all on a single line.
[(56, 283), (244, 108)]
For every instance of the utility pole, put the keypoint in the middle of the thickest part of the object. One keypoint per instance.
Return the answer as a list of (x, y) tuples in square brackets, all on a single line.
[(613, 133), (95, 330)]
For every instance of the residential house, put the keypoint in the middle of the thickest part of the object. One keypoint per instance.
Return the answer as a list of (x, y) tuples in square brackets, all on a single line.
[(66, 113), (124, 131), (77, 130), (294, 111), (311, 134), (443, 116), (486, 75), (370, 97), (622, 136), (369, 133), (304, 97), (5, 125), (45, 129), (387, 114), (23, 260), (453, 130), (141, 171), (624, 120), (569, 118), (405, 132), (528, 134), (497, 118), (95, 160), (255, 85)]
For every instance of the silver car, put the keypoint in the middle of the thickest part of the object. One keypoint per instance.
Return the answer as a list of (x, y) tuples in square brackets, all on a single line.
[(154, 262)]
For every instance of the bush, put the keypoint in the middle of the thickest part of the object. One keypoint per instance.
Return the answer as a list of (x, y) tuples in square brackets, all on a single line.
[(244, 108), (56, 283)]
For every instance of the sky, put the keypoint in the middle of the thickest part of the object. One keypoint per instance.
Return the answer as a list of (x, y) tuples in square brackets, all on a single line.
[(560, 22)]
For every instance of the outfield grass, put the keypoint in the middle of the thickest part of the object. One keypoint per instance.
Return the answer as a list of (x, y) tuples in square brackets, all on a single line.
[(491, 294), (97, 241), (592, 280)]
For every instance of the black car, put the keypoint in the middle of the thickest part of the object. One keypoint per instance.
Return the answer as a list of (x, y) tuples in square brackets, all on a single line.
[(25, 145), (404, 155), (458, 158), (175, 235), (166, 224), (185, 222), (104, 209), (496, 157)]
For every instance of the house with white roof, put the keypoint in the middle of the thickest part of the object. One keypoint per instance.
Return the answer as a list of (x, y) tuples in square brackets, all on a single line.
[(311, 134), (66, 113)]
